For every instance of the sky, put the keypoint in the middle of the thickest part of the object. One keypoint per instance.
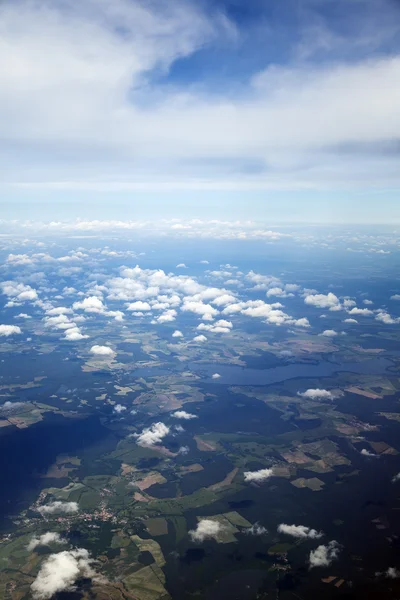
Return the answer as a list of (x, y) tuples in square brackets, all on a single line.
[(280, 110)]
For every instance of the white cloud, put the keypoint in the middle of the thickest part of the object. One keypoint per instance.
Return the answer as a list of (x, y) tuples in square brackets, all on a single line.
[(271, 313), (206, 311), (366, 452), (58, 507), (223, 300), (182, 414), (60, 571), (23, 316), (385, 318), (255, 529), (317, 394), (329, 333), (181, 266), (184, 450), (200, 338), (19, 292), (152, 435), (119, 408), (59, 310), (11, 406), (258, 476), (139, 305), (50, 537), (395, 297), (350, 321), (167, 317), (396, 478), (363, 312), (177, 334), (392, 573), (279, 292), (323, 300), (206, 528), (299, 531), (220, 326), (92, 304), (292, 116), (323, 556), (215, 376), (74, 334), (102, 350), (7, 330)]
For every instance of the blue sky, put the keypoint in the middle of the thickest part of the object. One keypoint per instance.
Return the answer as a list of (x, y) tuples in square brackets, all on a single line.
[(282, 109)]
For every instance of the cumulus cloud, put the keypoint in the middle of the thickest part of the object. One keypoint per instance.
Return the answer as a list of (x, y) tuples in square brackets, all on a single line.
[(167, 317), (74, 334), (19, 292), (366, 452), (317, 394), (58, 507), (385, 318), (51, 537), (119, 408), (60, 571), (396, 478), (278, 292), (181, 266), (323, 556), (206, 528), (139, 305), (206, 311), (177, 334), (102, 350), (215, 376), (350, 321), (220, 326), (7, 330), (299, 531), (184, 450), (392, 573), (255, 529), (92, 304), (182, 414), (395, 297), (58, 310), (200, 338), (271, 313), (363, 312), (329, 333), (152, 435), (258, 476), (8, 406), (323, 300)]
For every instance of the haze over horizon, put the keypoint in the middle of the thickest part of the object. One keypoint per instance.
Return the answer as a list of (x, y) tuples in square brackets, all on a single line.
[(277, 111)]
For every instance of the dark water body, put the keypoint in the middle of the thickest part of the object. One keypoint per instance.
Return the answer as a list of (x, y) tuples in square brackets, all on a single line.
[(28, 453), (215, 470), (232, 375), (242, 376), (233, 413)]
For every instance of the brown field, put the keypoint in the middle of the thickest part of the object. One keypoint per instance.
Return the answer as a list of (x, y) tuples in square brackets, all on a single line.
[(227, 481), (204, 446), (356, 390), (192, 468), (150, 480)]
